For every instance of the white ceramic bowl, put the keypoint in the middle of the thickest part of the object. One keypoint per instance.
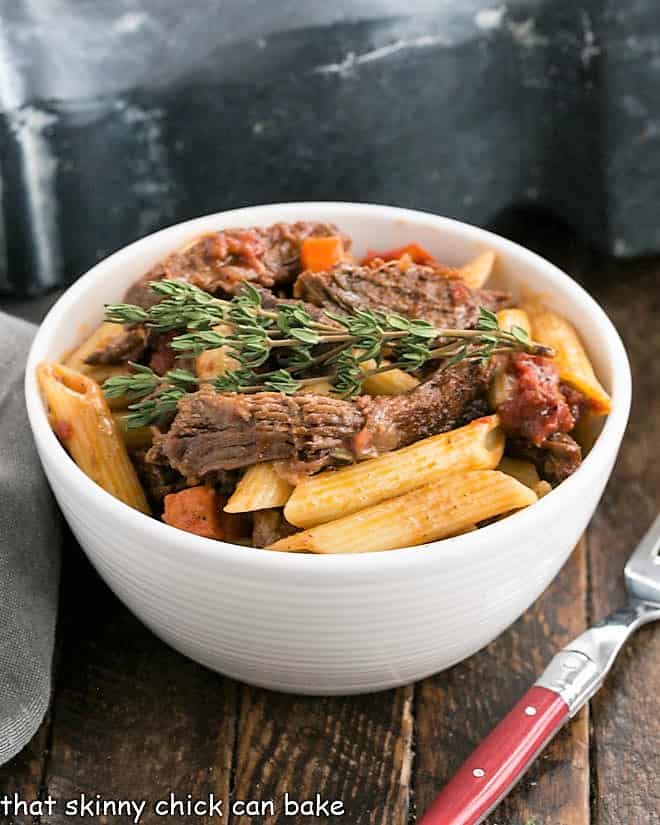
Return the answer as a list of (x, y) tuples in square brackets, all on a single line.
[(330, 624)]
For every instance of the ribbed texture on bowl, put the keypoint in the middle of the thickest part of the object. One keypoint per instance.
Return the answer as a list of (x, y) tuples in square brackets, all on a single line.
[(292, 635), (340, 624)]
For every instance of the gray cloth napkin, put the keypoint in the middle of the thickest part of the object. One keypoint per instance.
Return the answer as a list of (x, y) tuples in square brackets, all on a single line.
[(29, 556)]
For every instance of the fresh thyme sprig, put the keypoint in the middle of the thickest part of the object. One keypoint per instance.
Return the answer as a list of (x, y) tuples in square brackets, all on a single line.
[(163, 393), (289, 336)]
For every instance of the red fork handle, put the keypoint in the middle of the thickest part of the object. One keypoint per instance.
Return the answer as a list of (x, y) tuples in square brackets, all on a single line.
[(499, 761)]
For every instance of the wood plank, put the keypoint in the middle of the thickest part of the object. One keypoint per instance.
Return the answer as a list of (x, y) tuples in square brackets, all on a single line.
[(455, 710), (354, 749), (23, 775), (626, 711), (132, 719)]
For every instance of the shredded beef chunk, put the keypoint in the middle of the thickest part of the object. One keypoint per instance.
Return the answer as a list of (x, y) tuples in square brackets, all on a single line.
[(129, 345), (220, 262), (436, 406), (222, 432), (417, 292), (556, 459), (308, 432), (269, 526), (157, 477)]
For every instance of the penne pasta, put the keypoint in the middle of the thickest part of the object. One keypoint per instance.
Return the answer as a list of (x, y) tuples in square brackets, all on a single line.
[(82, 419), (135, 438), (428, 513), (392, 382), (502, 385), (332, 495), (514, 317), (476, 272), (317, 386), (260, 488), (103, 335), (586, 431), (214, 362), (542, 488), (571, 358), (524, 471)]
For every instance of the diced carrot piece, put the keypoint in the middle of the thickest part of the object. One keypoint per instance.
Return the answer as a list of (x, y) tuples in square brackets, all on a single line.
[(199, 510), (196, 510), (418, 254), (319, 254)]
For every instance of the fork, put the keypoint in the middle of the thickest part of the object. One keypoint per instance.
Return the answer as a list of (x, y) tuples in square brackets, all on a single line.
[(569, 681)]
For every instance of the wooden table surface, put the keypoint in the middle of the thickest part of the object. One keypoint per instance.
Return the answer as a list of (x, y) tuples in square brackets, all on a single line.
[(132, 719)]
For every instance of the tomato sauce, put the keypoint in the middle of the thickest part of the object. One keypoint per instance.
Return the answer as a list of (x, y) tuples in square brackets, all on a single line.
[(537, 407)]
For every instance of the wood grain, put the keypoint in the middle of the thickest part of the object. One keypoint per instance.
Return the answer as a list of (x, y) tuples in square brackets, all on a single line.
[(355, 749), (24, 774), (455, 710), (626, 711), (132, 719)]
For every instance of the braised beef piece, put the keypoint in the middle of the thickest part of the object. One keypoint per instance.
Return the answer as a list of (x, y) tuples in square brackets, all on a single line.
[(136, 343), (437, 405), (308, 432), (161, 355), (270, 301), (473, 410), (222, 432), (219, 262), (158, 478), (578, 404), (129, 345), (269, 526), (556, 458), (417, 292)]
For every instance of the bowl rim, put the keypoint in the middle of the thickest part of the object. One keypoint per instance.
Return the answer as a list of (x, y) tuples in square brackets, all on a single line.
[(595, 464)]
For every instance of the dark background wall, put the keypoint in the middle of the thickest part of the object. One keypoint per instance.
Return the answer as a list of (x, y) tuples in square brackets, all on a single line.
[(121, 117)]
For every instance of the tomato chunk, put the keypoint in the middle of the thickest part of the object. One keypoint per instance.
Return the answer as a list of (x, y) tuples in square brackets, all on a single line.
[(536, 407), (416, 252)]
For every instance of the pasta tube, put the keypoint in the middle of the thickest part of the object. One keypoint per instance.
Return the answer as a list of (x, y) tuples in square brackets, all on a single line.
[(332, 495), (392, 382), (104, 334), (319, 386), (571, 358), (514, 317), (476, 272), (429, 513), (82, 419), (214, 362), (585, 432), (524, 471), (101, 337), (542, 489), (260, 488), (135, 438)]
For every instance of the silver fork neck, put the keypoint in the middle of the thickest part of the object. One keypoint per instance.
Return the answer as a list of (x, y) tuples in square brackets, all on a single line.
[(578, 670)]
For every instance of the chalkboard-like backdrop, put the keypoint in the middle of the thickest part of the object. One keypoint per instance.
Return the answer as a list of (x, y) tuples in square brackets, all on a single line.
[(120, 117)]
